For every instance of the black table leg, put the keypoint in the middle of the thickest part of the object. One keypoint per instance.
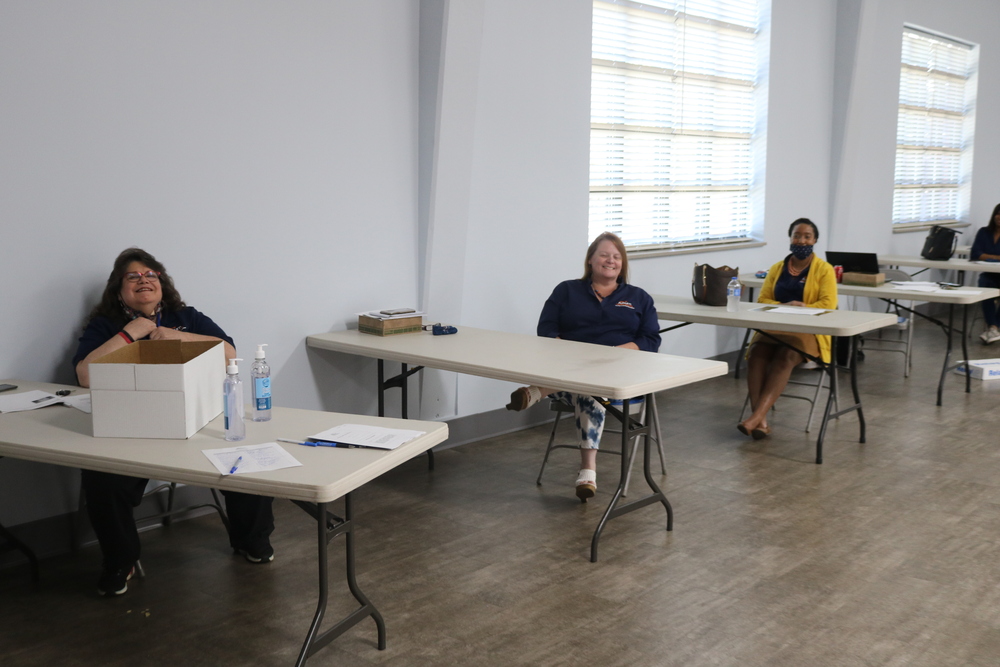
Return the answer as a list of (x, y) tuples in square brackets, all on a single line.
[(401, 381), (947, 353), (853, 364), (746, 340), (831, 368), (11, 543), (328, 527), (14, 544), (629, 431), (742, 353), (965, 348)]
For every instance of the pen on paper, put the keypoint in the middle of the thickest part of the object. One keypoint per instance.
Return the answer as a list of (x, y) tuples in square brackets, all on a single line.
[(316, 443), (232, 471)]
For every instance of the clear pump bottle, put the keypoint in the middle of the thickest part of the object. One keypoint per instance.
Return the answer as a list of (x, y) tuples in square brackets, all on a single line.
[(232, 403), (260, 375)]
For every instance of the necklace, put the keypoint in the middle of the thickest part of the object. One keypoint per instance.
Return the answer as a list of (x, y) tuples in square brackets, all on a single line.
[(793, 271), (600, 297)]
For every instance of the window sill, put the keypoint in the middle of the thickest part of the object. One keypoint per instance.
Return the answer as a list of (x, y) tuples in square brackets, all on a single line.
[(694, 248), (907, 227)]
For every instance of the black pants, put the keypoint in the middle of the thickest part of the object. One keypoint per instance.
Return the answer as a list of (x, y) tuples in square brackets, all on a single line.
[(112, 498), (989, 306)]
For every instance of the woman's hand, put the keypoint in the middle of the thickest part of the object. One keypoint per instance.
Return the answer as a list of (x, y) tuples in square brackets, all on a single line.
[(796, 303), (139, 328), (629, 346), (166, 333)]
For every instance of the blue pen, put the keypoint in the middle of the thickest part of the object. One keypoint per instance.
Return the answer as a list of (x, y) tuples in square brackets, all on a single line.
[(236, 465), (314, 443)]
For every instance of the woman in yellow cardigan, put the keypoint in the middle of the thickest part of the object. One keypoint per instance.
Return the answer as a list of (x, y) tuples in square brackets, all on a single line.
[(801, 279)]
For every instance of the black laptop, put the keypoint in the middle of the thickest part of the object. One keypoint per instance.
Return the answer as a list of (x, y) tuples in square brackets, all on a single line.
[(857, 262)]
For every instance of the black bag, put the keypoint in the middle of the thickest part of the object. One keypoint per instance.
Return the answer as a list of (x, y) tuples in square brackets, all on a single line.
[(940, 243), (708, 286)]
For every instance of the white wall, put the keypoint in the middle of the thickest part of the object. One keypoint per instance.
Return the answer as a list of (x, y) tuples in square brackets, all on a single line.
[(269, 154), (265, 152), (863, 202)]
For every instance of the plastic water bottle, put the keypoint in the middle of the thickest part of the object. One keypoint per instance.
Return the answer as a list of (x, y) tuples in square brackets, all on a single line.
[(260, 374), (733, 291), (232, 403)]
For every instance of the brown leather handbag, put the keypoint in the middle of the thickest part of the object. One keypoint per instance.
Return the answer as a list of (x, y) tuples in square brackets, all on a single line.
[(708, 286)]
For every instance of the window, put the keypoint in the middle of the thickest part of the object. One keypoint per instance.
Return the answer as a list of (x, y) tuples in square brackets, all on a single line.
[(937, 95), (673, 112)]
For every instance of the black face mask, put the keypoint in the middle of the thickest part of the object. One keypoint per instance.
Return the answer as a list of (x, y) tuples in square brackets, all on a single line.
[(801, 251)]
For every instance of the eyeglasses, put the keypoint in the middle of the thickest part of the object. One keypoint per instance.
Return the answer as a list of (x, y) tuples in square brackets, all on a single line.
[(134, 276)]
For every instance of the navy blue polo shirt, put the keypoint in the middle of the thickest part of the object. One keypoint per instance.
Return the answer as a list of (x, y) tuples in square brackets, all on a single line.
[(984, 244), (627, 315), (100, 329)]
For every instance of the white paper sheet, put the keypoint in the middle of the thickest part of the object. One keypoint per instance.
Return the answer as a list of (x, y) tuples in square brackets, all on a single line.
[(791, 310), (367, 436), (28, 400), (931, 288), (378, 315), (81, 402), (256, 458)]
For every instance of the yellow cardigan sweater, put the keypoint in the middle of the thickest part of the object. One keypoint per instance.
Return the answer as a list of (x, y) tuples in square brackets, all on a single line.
[(820, 292)]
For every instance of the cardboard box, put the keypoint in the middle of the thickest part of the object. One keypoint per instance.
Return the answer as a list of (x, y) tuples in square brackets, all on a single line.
[(396, 325), (157, 389), (863, 279), (981, 369)]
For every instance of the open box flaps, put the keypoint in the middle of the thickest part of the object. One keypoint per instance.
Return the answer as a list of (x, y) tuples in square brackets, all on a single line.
[(157, 389)]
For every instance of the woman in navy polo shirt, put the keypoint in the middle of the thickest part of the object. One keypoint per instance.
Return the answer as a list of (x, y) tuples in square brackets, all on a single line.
[(986, 247), (141, 302), (599, 308)]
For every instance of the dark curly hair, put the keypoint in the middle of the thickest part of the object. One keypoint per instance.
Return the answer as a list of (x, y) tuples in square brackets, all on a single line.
[(804, 221), (110, 305)]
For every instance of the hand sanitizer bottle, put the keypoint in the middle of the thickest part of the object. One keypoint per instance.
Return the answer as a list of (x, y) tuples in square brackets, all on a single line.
[(260, 374), (733, 295), (232, 403)]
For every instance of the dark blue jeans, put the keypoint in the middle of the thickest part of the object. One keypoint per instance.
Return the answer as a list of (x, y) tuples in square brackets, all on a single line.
[(990, 306)]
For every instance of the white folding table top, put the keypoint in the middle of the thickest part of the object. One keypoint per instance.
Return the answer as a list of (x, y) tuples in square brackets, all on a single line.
[(581, 368), (758, 316), (953, 264), (63, 436), (887, 291)]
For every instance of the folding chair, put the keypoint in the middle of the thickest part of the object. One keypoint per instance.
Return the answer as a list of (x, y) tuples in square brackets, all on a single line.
[(561, 408), (813, 401)]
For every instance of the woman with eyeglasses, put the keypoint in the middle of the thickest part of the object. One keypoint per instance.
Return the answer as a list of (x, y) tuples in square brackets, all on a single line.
[(800, 279), (141, 302)]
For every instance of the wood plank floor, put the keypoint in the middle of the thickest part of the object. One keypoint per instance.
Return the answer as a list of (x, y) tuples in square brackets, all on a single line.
[(887, 554)]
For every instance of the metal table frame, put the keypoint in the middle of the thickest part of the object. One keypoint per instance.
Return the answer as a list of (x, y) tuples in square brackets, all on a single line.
[(948, 329), (830, 368), (631, 428), (329, 526), (69, 452)]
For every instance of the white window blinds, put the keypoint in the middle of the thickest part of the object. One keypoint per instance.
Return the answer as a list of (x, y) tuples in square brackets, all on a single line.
[(935, 129), (672, 119)]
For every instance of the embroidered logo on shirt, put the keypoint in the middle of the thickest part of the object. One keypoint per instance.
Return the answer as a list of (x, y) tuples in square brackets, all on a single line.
[(624, 304)]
